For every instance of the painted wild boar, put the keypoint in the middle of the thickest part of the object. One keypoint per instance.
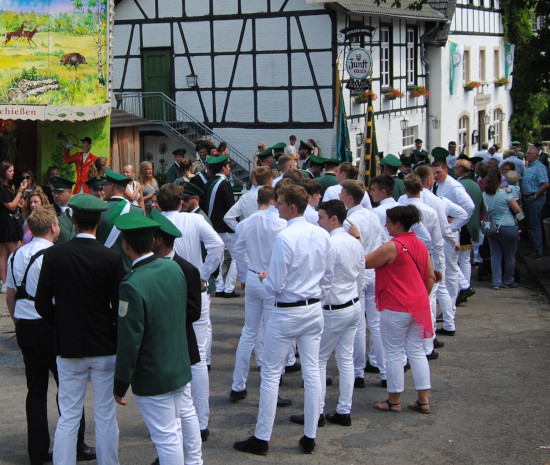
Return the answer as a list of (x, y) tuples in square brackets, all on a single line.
[(73, 59)]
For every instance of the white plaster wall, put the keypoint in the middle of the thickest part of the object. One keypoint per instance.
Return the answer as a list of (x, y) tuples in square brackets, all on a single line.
[(156, 34)]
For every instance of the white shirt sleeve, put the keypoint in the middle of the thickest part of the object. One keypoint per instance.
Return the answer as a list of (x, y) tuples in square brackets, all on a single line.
[(214, 248)]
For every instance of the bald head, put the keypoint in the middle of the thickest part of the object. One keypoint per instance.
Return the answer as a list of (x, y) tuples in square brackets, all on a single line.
[(463, 168)]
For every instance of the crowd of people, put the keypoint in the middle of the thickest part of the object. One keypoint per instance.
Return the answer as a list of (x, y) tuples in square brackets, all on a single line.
[(320, 258)]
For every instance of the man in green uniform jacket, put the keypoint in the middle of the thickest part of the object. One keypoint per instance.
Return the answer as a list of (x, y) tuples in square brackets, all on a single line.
[(62, 190), (152, 352), (391, 165), (329, 178)]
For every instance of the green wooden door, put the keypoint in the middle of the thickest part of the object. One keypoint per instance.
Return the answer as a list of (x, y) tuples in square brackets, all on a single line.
[(157, 77)]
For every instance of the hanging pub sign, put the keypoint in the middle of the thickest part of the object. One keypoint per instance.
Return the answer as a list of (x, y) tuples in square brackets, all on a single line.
[(358, 66), (356, 33)]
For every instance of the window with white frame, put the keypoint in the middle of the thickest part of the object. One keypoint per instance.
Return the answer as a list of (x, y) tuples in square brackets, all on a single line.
[(411, 57), (466, 66), (497, 116), (463, 130), (482, 61), (385, 57), (408, 136)]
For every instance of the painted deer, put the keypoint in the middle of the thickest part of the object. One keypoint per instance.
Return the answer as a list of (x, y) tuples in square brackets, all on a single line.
[(14, 34), (29, 35)]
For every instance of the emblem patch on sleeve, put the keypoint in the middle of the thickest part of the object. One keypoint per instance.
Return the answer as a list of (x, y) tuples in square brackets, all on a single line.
[(122, 308)]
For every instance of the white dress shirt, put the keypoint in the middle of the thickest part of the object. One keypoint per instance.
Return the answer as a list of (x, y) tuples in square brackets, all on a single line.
[(301, 262), (455, 192), (333, 193), (195, 229), (255, 236), (243, 208), (276, 180), (311, 215), (24, 308), (349, 268), (418, 228), (431, 221), (372, 234)]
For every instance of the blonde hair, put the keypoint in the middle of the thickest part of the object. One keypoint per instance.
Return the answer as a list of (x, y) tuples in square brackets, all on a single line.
[(512, 177), (40, 220), (27, 204), (143, 167)]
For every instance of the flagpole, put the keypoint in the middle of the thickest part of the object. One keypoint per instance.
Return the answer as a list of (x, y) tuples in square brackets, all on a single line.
[(363, 161)]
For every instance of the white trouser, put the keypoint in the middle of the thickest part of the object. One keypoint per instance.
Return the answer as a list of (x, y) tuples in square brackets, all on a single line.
[(451, 272), (191, 432), (74, 374), (376, 348), (400, 332), (338, 335), (465, 269), (256, 307), (429, 341), (305, 324), (231, 278), (161, 414), (209, 341), (448, 307), (200, 383)]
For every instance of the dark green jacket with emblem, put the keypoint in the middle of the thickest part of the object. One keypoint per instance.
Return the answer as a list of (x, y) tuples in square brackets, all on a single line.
[(172, 173), (66, 226), (327, 180), (399, 188), (152, 352), (474, 192)]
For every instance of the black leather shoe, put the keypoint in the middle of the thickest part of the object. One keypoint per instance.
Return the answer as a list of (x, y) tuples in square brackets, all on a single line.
[(252, 445), (359, 383), (307, 445), (438, 344), (371, 368), (293, 368), (439, 318), (383, 383), (461, 297), (220, 294), (237, 395), (204, 434), (155, 462), (300, 420), (84, 453), (283, 402), (444, 332), (343, 419), (470, 291), (230, 295), (433, 356)]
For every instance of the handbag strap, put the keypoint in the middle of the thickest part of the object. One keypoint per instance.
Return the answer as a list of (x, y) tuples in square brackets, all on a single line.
[(504, 214), (407, 250)]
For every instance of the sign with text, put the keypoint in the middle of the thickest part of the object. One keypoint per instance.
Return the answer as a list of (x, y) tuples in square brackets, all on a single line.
[(359, 63)]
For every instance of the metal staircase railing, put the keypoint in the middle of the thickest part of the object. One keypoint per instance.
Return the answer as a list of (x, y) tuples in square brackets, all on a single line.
[(160, 109)]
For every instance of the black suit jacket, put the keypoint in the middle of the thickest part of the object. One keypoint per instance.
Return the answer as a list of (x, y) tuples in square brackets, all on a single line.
[(194, 305), (83, 276), (223, 201)]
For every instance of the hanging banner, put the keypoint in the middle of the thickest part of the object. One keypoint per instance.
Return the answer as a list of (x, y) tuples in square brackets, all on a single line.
[(456, 67), (55, 58), (509, 63)]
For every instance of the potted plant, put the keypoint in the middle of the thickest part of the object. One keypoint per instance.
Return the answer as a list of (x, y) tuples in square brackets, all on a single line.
[(420, 91), (471, 85), (363, 97), (503, 81), (393, 94)]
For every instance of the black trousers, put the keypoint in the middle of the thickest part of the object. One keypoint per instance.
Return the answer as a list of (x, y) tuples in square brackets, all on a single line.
[(36, 341)]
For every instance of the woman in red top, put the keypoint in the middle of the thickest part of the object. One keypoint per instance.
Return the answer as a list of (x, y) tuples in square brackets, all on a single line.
[(404, 279)]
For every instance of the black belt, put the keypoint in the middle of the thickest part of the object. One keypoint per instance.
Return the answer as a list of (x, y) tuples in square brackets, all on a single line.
[(253, 271), (301, 303), (23, 322), (349, 303)]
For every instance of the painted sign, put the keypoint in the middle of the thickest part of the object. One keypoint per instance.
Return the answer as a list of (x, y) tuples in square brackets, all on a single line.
[(359, 63), (54, 54)]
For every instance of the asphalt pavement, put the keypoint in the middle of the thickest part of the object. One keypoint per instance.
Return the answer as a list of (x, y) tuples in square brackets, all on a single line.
[(489, 401)]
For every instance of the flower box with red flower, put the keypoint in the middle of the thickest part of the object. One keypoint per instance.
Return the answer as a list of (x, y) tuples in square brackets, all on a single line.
[(503, 81), (471, 85), (363, 97), (393, 94), (420, 91)]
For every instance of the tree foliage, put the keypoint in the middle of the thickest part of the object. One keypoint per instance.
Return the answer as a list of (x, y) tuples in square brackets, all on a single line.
[(531, 66)]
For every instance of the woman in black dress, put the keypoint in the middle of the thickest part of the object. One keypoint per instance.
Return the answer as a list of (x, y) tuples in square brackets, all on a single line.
[(10, 230)]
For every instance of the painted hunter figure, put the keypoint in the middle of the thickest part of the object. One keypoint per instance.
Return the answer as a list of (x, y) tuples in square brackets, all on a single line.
[(82, 160)]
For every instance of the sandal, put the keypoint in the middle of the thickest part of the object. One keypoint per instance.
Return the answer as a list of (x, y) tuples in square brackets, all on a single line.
[(417, 407), (389, 407)]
